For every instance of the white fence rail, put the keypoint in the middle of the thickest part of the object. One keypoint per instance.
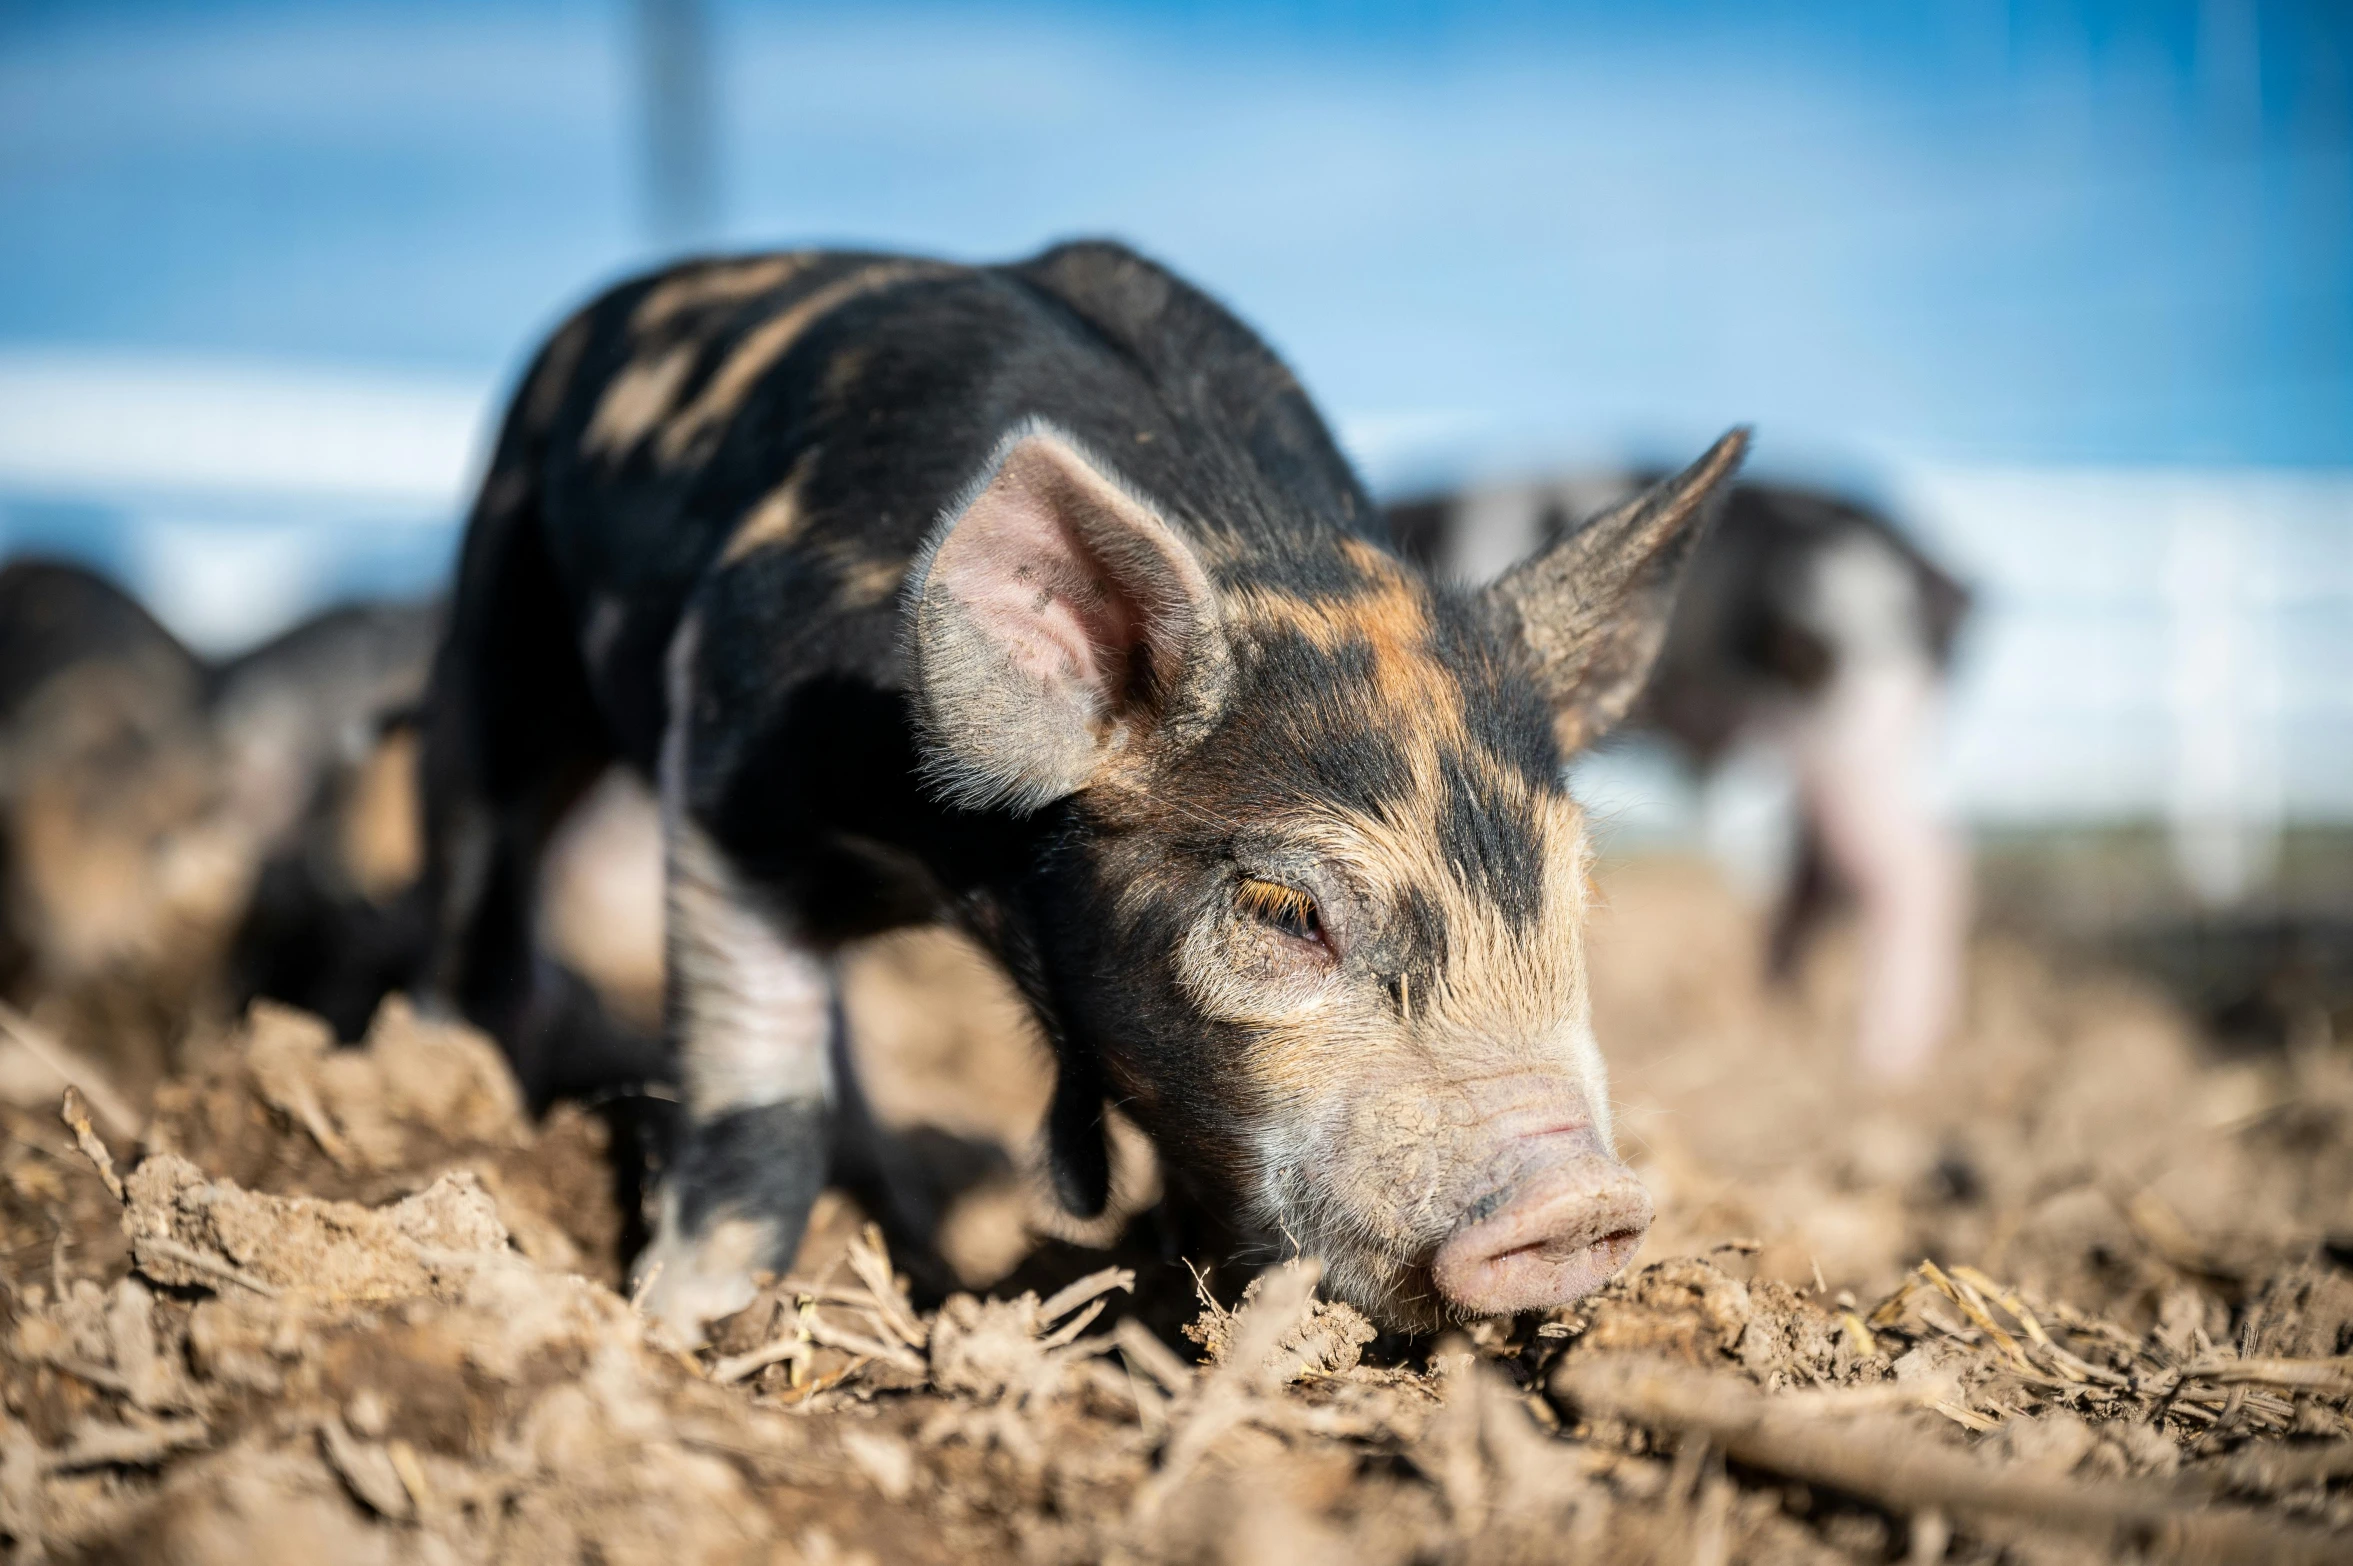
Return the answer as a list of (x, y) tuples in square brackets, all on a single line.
[(2152, 643)]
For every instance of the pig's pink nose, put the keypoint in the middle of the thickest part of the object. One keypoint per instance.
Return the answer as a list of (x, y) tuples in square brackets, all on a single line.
[(1559, 1237)]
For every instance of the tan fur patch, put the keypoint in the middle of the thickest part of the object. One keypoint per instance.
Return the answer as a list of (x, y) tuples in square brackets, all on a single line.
[(1419, 696), (781, 519), (637, 400), (769, 342), (110, 778), (380, 832), (505, 491), (844, 373), (1390, 617), (775, 519), (557, 366), (719, 284), (600, 895), (89, 881), (867, 580)]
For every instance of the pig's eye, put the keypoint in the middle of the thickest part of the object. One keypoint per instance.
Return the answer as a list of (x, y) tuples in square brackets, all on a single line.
[(1284, 908)]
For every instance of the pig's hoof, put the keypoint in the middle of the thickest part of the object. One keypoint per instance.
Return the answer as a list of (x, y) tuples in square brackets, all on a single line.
[(683, 1283)]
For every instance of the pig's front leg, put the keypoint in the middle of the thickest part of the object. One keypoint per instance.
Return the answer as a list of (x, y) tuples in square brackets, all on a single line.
[(1859, 761), (751, 1014)]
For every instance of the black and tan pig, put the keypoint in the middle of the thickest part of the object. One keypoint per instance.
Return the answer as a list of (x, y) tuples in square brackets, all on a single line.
[(1037, 598)]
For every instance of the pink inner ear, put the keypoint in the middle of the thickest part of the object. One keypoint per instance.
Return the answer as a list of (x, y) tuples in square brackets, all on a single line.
[(1030, 583)]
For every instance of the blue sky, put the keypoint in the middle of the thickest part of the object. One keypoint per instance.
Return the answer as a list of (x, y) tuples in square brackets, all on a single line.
[(2069, 286), (1978, 231)]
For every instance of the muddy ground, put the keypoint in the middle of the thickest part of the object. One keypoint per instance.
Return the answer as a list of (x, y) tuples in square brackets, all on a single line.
[(2088, 1295)]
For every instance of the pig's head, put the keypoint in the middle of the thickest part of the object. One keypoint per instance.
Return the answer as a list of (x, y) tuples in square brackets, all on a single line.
[(1310, 894)]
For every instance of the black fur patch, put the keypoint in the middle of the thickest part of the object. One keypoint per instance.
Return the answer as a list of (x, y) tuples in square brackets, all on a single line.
[(1076, 1146), (1307, 726), (767, 1162), (1492, 842), (1424, 932)]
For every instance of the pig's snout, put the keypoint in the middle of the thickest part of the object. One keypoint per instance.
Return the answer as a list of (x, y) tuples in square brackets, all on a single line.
[(1559, 1235)]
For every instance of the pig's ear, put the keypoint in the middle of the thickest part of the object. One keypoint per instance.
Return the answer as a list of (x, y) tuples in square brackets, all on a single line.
[(1592, 610), (1054, 619)]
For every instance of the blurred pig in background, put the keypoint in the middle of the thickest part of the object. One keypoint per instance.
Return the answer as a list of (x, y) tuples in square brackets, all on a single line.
[(319, 743), (317, 751), (119, 876), (1813, 629), (178, 838)]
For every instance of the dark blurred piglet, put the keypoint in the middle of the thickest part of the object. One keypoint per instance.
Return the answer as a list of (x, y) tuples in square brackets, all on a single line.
[(119, 877), (176, 839), (318, 746), (1037, 598), (1813, 626)]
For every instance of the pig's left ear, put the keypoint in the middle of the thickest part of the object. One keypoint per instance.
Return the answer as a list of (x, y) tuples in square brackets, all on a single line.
[(1592, 610), (1054, 620)]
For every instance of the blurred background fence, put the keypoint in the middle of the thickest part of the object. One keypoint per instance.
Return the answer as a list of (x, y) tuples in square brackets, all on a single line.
[(2068, 287)]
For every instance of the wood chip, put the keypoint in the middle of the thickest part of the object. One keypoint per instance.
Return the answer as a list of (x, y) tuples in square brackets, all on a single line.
[(871, 1262), (189, 1256), (367, 1469), (822, 1331), (77, 1120), (1065, 1300), (2328, 1375), (1973, 1306), (794, 1345), (126, 1446), (1153, 1357), (1898, 1471)]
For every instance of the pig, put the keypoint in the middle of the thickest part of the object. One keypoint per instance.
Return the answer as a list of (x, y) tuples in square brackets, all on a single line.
[(323, 701), (1037, 598), (182, 837), (114, 865), (316, 730), (1815, 627)]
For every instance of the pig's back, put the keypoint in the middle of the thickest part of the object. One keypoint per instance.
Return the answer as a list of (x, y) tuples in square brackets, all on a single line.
[(1759, 623), (773, 438), (57, 618)]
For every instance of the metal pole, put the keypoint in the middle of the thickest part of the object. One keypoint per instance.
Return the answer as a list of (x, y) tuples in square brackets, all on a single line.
[(674, 57)]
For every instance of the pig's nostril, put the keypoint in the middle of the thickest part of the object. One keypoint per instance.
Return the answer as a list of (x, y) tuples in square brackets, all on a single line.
[(1619, 1242)]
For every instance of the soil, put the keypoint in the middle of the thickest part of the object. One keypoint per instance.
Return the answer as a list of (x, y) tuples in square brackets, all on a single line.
[(2087, 1295)]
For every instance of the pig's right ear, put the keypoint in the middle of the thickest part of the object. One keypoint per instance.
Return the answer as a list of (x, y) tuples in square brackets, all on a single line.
[(1592, 610), (1054, 620)]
